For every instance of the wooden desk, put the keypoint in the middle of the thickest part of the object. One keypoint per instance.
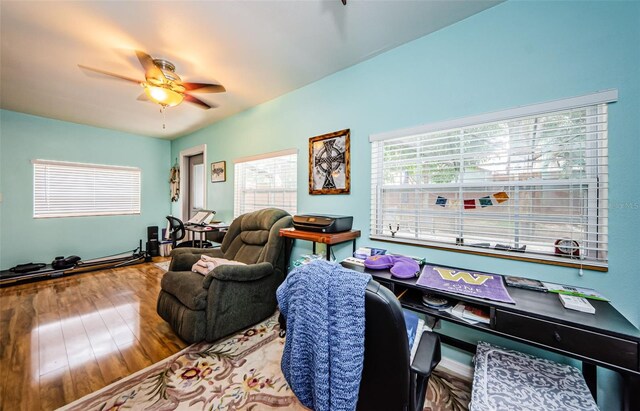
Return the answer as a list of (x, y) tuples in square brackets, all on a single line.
[(605, 339), (329, 239)]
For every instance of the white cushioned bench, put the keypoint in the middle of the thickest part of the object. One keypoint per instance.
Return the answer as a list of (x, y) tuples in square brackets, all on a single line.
[(510, 380)]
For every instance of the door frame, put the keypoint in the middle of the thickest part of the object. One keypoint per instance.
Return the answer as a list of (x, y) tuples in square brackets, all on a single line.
[(184, 165)]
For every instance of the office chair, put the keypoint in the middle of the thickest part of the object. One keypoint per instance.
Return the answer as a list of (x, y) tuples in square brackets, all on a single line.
[(176, 230), (177, 233), (390, 381)]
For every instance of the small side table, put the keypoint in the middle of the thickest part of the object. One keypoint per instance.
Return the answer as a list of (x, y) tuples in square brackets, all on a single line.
[(202, 231), (329, 239)]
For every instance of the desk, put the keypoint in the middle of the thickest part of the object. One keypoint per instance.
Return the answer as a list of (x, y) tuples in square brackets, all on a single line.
[(605, 339), (202, 231), (329, 239)]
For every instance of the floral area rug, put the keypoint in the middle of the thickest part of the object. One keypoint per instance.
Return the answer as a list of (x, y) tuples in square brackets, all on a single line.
[(447, 392), (239, 373)]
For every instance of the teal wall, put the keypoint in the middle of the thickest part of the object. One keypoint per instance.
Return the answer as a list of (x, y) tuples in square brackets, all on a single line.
[(25, 239), (516, 53)]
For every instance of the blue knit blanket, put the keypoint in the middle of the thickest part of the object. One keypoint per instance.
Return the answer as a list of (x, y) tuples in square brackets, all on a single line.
[(323, 355)]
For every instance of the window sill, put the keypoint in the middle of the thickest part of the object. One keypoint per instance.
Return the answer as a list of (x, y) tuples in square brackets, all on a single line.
[(552, 260)]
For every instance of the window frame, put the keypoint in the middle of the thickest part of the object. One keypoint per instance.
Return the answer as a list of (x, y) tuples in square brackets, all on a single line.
[(135, 177), (377, 230), (237, 209)]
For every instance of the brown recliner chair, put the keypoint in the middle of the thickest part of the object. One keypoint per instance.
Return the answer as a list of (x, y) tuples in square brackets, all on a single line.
[(230, 297)]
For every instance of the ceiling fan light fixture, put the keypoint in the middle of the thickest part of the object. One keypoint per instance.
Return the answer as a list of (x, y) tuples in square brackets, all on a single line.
[(162, 85), (163, 96)]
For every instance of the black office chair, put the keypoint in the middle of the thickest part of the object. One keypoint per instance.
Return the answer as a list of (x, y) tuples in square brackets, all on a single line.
[(177, 233), (389, 381)]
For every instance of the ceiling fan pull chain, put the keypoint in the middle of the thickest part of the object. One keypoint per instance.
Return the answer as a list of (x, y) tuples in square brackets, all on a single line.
[(164, 120)]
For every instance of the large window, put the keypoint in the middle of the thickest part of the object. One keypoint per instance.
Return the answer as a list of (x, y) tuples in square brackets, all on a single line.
[(527, 183), (64, 189), (268, 180)]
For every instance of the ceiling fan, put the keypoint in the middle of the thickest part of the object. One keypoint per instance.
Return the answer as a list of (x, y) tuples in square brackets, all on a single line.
[(162, 85)]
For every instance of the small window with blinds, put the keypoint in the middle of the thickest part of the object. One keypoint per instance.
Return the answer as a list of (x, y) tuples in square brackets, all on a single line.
[(268, 180), (525, 186), (63, 189)]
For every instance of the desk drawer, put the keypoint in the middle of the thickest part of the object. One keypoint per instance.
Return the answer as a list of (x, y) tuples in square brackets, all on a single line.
[(600, 347)]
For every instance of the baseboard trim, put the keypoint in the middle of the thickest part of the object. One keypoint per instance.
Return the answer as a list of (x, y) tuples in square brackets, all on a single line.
[(463, 370)]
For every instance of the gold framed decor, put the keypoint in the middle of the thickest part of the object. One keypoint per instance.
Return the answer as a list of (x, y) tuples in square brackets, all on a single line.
[(218, 171), (330, 163)]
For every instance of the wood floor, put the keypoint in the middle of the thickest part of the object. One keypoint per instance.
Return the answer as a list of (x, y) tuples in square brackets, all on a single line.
[(61, 339)]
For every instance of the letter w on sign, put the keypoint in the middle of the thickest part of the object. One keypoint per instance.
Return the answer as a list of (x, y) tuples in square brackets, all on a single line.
[(452, 275)]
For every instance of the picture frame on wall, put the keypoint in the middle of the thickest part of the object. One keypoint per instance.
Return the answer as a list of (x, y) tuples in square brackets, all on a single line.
[(218, 171), (330, 163)]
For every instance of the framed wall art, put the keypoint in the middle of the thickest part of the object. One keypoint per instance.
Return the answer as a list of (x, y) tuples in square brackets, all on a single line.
[(329, 163), (218, 171)]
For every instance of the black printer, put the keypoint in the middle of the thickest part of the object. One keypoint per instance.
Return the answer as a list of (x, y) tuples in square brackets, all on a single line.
[(323, 223)]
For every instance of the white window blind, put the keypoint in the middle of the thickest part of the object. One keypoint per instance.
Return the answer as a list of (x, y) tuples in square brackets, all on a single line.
[(63, 189), (268, 180), (507, 187)]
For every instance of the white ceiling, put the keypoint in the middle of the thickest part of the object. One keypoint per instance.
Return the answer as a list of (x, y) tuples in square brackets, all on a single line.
[(258, 50)]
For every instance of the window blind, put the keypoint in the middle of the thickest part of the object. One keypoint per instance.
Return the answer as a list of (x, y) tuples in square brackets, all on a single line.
[(532, 185), (64, 189), (268, 180)]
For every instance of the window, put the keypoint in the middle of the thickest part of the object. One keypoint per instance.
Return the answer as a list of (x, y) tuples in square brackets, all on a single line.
[(64, 189), (268, 180), (527, 183)]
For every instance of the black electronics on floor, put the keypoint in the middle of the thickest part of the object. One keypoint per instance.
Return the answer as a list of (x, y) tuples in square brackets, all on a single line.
[(153, 245), (152, 233), (28, 267), (62, 263), (73, 264)]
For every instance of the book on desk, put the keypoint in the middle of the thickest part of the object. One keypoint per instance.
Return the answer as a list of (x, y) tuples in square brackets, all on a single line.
[(526, 283), (471, 313), (201, 218), (572, 302), (415, 328)]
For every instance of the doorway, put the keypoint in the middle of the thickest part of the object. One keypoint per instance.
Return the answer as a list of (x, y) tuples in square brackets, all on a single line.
[(196, 183), (193, 181)]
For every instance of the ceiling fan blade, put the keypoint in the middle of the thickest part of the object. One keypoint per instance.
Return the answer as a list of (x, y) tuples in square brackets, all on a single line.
[(90, 70), (198, 102), (150, 68), (204, 87)]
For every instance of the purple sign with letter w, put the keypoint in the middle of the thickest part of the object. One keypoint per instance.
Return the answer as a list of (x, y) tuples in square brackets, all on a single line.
[(471, 283)]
